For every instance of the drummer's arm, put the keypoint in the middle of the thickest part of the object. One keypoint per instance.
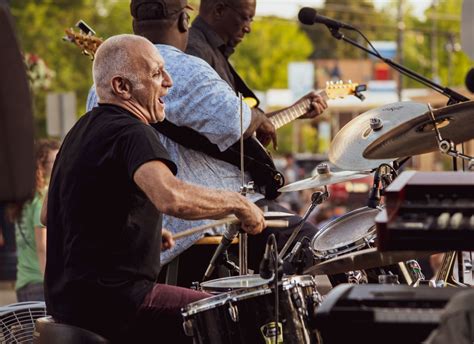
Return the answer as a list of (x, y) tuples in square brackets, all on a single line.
[(177, 198)]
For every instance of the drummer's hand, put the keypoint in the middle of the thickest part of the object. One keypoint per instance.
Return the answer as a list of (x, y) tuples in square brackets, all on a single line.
[(318, 105), (167, 241), (251, 217)]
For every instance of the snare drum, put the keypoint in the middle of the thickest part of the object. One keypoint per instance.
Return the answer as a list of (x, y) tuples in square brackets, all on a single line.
[(246, 314), (351, 232), (347, 234)]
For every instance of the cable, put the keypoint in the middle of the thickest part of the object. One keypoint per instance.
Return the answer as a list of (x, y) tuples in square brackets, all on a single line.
[(272, 238)]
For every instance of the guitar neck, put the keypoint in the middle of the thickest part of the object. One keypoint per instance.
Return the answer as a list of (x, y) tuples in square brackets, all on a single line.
[(287, 115)]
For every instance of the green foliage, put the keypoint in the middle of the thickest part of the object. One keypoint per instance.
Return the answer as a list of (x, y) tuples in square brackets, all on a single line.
[(40, 27), (361, 14), (263, 56)]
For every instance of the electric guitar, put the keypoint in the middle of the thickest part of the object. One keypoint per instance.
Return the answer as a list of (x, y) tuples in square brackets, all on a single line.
[(258, 161)]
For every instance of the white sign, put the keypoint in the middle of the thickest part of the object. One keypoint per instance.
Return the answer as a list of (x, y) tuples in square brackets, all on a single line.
[(60, 113), (300, 78)]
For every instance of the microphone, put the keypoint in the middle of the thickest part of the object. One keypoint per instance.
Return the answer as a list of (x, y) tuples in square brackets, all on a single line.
[(266, 268), (310, 16), (470, 80), (374, 196), (229, 234)]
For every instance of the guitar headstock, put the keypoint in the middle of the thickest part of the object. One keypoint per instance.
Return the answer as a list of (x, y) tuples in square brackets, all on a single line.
[(85, 40), (340, 89)]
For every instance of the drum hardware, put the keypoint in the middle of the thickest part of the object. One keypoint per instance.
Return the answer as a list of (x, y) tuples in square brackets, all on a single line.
[(414, 136), (447, 146), (384, 174), (323, 177), (316, 199), (357, 277)]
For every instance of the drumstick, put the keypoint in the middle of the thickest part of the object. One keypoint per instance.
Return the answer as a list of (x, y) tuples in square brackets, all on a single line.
[(188, 232)]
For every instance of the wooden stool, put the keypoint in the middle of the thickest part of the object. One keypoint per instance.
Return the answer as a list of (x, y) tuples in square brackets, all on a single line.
[(173, 266)]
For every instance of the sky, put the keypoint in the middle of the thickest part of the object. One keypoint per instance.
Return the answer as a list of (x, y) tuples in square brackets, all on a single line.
[(290, 8)]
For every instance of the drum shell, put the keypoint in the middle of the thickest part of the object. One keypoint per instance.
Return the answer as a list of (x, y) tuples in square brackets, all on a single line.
[(242, 317)]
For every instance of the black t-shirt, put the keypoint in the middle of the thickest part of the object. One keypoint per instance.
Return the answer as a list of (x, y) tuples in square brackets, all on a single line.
[(104, 235)]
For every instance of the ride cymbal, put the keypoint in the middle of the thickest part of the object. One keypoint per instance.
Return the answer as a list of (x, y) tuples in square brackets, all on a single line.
[(417, 135), (347, 147)]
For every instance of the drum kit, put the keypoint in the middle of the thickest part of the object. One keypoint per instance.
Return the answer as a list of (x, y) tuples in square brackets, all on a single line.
[(251, 309)]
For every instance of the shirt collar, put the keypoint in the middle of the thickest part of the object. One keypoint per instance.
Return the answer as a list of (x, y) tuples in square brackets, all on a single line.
[(212, 37)]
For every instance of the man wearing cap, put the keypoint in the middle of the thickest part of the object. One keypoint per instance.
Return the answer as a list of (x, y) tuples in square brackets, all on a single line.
[(202, 103)]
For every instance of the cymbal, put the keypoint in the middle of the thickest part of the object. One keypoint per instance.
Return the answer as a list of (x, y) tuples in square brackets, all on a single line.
[(363, 259), (417, 135), (347, 147), (324, 177)]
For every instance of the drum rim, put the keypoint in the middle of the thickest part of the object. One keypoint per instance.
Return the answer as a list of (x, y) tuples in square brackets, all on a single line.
[(254, 276), (224, 298), (206, 304), (344, 248)]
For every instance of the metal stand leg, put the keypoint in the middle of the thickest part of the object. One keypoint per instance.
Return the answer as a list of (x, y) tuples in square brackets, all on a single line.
[(243, 255)]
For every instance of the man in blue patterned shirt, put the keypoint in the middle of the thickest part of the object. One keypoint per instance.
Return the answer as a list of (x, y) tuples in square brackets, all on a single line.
[(202, 101)]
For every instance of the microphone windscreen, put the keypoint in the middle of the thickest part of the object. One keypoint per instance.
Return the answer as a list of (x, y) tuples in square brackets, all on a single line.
[(470, 80), (307, 15)]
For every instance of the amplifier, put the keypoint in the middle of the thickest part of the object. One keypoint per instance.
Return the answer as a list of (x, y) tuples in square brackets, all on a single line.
[(428, 211), (380, 313)]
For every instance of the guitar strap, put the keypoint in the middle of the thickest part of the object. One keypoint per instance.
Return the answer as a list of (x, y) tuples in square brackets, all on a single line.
[(256, 161)]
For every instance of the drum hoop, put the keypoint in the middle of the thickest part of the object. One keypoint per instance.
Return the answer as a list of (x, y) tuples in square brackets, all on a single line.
[(353, 246), (207, 287), (232, 296), (246, 293)]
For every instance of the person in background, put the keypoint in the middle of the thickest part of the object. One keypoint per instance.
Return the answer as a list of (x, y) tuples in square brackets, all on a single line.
[(30, 233)]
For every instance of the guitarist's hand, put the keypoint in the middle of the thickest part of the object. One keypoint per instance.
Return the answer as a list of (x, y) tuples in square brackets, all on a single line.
[(263, 127), (266, 133), (318, 105)]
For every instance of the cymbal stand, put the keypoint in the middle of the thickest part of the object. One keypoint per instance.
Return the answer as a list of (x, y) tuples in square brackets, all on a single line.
[(244, 190), (317, 198), (447, 146)]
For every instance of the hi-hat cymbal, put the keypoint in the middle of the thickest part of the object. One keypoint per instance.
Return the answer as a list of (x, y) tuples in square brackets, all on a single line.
[(351, 141), (324, 177), (417, 135), (363, 259)]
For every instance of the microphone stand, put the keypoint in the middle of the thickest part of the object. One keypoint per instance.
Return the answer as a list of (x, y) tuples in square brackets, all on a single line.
[(454, 97), (316, 199)]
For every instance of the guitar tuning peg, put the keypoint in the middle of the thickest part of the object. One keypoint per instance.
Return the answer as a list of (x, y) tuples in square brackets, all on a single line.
[(327, 83), (349, 81), (340, 82)]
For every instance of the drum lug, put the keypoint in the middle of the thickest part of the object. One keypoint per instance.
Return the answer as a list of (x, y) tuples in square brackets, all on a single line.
[(233, 312), (188, 327)]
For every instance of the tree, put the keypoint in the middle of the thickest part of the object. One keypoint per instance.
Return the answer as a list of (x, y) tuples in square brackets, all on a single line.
[(361, 14), (263, 57), (40, 26)]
